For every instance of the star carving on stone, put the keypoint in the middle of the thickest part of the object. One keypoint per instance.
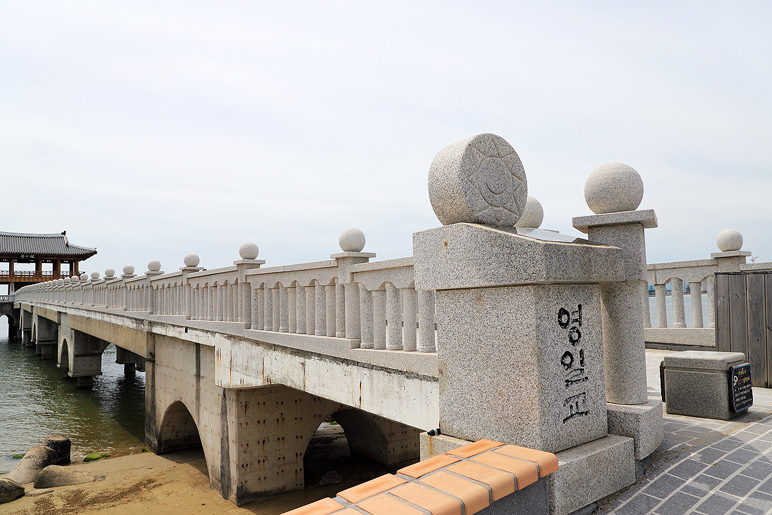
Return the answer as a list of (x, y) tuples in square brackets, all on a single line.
[(496, 173)]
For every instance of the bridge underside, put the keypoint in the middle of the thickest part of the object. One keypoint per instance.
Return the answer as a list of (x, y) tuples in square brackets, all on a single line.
[(253, 431)]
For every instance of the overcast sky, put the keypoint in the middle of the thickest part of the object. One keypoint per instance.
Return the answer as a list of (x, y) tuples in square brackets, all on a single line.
[(153, 129)]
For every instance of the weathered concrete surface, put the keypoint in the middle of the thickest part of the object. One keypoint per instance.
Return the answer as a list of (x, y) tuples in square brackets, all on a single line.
[(31, 464), (55, 475), (10, 490)]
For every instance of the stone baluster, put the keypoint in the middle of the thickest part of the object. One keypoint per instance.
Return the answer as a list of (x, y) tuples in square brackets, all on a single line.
[(409, 319), (310, 309), (300, 309), (330, 305), (379, 319), (340, 311), (261, 307), (292, 312), (696, 295), (320, 310), (283, 309), (276, 304), (220, 294), (211, 302), (268, 309), (659, 297), (677, 295), (393, 318), (426, 339), (366, 317), (255, 300), (229, 307)]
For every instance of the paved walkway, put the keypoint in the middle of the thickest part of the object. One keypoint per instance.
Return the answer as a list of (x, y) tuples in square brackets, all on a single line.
[(705, 466)]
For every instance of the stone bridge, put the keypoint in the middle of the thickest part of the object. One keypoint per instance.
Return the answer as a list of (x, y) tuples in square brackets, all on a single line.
[(494, 329)]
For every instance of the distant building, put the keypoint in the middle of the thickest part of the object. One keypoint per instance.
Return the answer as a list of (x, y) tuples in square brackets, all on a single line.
[(33, 258)]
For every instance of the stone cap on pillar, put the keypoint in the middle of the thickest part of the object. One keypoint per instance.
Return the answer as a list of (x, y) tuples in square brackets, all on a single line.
[(731, 254), (646, 217), (466, 255)]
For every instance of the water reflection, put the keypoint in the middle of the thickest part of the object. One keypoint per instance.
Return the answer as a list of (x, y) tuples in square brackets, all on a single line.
[(37, 401)]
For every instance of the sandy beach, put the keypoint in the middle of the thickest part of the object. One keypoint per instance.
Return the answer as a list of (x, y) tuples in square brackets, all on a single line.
[(177, 483)]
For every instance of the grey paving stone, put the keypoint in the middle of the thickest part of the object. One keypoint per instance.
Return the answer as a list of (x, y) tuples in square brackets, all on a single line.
[(640, 503), (678, 504), (717, 504), (708, 455), (688, 468), (664, 485), (742, 456), (753, 506), (766, 487), (722, 469), (740, 485), (758, 470), (727, 444), (701, 485), (756, 428)]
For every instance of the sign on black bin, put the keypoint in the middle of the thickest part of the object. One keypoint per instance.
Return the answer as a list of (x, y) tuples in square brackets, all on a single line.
[(740, 392)]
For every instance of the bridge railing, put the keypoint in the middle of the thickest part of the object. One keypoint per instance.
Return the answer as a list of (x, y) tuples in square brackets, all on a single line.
[(699, 275), (373, 305), (6, 298)]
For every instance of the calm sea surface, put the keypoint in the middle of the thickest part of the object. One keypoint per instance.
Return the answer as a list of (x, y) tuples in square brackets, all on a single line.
[(36, 401), (687, 310)]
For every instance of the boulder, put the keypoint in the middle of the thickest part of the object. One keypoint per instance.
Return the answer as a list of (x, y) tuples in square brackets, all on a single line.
[(9, 490), (55, 475), (31, 464), (61, 446)]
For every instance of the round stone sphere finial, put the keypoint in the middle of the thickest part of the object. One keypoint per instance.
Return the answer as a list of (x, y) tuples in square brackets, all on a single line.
[(191, 260), (612, 188), (67, 280), (128, 270), (84, 276), (109, 273), (94, 276), (75, 279), (533, 214), (352, 240), (478, 180), (249, 250), (60, 282), (154, 265), (729, 240)]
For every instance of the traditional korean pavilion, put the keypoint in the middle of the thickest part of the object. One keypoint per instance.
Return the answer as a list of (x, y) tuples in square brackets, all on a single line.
[(53, 256)]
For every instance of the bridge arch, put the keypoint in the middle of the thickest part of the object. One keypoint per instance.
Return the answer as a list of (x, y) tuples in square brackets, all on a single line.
[(178, 430), (63, 359)]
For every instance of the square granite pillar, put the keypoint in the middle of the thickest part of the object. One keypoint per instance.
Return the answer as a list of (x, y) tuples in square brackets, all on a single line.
[(519, 324)]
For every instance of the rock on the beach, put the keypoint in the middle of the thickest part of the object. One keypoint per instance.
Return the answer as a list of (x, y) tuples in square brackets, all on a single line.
[(10, 490), (32, 463), (330, 478), (61, 446), (55, 475)]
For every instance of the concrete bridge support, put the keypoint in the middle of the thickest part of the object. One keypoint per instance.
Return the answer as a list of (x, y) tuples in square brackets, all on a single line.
[(25, 326), (131, 362), (80, 355), (45, 337), (254, 438)]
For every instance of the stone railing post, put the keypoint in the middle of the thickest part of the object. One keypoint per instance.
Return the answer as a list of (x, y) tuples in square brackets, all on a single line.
[(351, 242), (729, 259), (153, 270), (191, 266), (128, 273), (661, 303), (614, 192)]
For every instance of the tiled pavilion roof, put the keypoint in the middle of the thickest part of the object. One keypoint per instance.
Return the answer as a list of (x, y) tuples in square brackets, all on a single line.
[(42, 245)]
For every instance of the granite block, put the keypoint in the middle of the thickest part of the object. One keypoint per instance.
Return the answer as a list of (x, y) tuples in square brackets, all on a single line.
[(642, 423), (590, 472), (522, 365), (479, 179), (531, 500), (696, 383), (436, 445), (473, 256), (645, 217)]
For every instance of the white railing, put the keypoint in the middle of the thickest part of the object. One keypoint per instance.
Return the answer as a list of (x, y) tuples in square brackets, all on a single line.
[(6, 298), (374, 305), (699, 275)]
